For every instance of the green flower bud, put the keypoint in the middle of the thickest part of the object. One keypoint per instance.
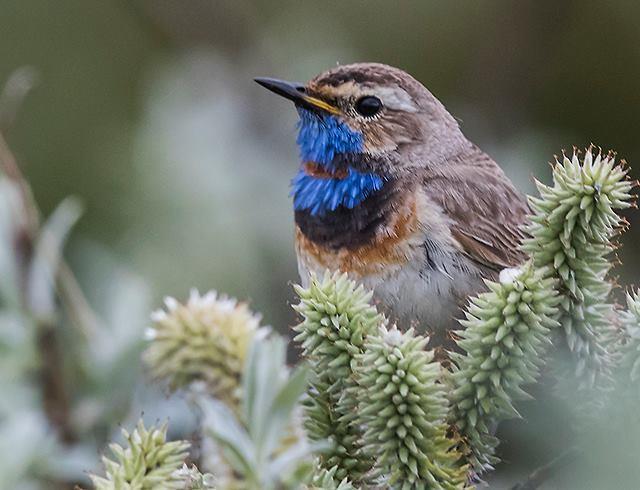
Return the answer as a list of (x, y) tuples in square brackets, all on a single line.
[(505, 336), (326, 480), (571, 231), (404, 408), (148, 461), (207, 340), (337, 318)]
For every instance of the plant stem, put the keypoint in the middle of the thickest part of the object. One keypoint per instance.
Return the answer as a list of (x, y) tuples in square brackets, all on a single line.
[(543, 473)]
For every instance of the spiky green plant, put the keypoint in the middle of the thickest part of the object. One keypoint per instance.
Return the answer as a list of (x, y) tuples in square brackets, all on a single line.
[(148, 462), (326, 480), (207, 339), (572, 227), (404, 408), (337, 318), (505, 336)]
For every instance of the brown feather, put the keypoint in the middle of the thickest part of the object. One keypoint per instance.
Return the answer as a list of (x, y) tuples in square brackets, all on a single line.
[(485, 209)]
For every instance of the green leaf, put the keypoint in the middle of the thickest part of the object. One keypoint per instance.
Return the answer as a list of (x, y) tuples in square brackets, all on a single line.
[(221, 424), (262, 449), (264, 374), (282, 407), (47, 256), (10, 227)]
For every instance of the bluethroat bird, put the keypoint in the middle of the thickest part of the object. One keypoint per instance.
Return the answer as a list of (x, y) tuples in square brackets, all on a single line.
[(391, 192)]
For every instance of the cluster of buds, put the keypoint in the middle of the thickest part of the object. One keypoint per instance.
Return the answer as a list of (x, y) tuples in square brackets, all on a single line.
[(326, 480), (337, 318), (571, 231), (404, 408), (148, 461), (205, 340), (506, 332)]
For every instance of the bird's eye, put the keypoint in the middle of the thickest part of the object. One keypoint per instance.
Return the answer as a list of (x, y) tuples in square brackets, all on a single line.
[(368, 106)]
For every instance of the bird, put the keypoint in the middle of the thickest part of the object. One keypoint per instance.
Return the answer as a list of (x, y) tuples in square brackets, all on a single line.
[(391, 192)]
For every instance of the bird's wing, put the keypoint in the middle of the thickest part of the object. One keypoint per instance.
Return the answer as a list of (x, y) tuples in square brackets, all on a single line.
[(485, 210)]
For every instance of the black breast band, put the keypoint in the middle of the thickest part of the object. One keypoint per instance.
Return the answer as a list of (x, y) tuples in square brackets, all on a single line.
[(350, 228)]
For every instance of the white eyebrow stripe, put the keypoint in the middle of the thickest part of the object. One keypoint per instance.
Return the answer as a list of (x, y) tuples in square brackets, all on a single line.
[(396, 99)]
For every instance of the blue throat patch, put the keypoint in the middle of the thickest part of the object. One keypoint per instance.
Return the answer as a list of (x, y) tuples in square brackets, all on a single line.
[(320, 138)]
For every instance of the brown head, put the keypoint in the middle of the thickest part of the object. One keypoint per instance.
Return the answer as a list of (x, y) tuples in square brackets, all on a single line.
[(402, 124)]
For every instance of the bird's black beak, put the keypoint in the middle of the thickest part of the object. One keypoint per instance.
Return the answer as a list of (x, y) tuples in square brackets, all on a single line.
[(296, 93)]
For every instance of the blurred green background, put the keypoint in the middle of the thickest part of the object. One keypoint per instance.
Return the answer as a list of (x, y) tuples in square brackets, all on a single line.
[(146, 111)]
